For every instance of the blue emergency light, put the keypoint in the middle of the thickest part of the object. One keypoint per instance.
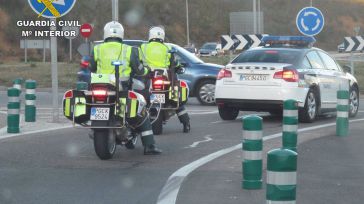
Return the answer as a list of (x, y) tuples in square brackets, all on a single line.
[(288, 41)]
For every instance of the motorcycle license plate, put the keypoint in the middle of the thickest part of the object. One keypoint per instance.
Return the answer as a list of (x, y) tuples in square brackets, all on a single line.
[(100, 113), (158, 98)]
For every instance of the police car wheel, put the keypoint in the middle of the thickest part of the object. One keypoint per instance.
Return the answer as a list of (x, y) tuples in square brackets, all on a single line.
[(104, 144), (308, 113), (227, 113), (353, 102)]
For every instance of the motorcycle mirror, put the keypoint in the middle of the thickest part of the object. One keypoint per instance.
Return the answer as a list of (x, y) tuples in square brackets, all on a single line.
[(172, 51), (181, 70), (347, 68)]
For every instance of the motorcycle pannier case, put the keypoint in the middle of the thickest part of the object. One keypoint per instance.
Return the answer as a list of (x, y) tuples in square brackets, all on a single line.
[(74, 106)]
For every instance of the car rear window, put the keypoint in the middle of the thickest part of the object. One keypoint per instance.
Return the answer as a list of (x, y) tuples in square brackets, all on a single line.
[(269, 56)]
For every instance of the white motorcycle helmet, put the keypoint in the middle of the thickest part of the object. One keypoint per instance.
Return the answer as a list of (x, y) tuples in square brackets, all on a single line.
[(113, 29), (157, 33)]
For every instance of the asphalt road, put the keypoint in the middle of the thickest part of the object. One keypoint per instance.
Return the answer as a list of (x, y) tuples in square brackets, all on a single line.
[(61, 166)]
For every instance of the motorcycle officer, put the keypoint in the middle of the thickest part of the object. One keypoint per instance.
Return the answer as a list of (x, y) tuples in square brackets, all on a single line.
[(113, 49), (156, 55)]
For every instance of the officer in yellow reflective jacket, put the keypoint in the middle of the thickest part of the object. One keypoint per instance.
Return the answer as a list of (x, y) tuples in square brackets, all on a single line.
[(113, 49), (156, 55)]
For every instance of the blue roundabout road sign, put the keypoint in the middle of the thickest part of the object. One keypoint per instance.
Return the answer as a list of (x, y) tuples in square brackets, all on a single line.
[(310, 21)]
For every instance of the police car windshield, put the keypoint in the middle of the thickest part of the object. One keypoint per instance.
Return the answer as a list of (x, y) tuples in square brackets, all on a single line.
[(269, 56)]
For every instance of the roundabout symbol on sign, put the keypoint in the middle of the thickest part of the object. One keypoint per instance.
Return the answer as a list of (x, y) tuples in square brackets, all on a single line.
[(310, 21)]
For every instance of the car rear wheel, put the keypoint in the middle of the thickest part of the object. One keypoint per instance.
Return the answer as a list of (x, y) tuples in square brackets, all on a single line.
[(205, 92), (354, 102), (308, 113), (227, 113)]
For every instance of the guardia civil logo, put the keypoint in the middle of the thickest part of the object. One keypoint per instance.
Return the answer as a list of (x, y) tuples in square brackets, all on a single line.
[(51, 8)]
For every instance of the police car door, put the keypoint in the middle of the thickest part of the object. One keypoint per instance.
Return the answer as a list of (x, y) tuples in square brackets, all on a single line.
[(322, 75), (335, 76)]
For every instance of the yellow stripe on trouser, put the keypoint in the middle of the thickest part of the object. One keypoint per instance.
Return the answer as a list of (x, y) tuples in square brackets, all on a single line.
[(133, 108), (184, 94), (80, 106), (67, 107), (50, 7)]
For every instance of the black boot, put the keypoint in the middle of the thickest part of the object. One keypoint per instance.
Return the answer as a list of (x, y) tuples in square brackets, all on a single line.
[(152, 150), (186, 127)]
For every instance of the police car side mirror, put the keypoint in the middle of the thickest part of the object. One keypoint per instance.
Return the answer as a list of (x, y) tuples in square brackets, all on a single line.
[(347, 68)]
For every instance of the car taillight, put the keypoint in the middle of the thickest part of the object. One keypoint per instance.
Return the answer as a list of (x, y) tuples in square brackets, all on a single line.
[(132, 95), (287, 75), (183, 84), (224, 73), (68, 94), (99, 94)]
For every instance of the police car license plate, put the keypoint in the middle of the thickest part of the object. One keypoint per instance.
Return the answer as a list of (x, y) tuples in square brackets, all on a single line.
[(254, 77), (100, 113), (158, 98)]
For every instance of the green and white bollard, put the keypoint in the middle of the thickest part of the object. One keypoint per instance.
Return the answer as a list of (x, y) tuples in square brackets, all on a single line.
[(13, 110), (252, 152), (281, 176), (290, 125), (81, 86), (17, 83), (342, 118), (30, 108)]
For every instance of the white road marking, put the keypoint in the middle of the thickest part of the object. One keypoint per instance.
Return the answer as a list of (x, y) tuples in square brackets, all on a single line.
[(216, 122), (204, 113), (33, 132), (170, 190), (193, 145)]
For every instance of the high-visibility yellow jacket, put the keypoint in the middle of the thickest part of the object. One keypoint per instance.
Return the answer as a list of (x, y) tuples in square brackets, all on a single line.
[(156, 55), (105, 53)]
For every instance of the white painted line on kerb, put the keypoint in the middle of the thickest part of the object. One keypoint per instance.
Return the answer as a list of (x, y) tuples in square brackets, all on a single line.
[(170, 190)]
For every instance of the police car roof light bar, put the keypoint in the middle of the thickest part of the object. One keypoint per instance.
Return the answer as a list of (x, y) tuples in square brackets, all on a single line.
[(288, 41)]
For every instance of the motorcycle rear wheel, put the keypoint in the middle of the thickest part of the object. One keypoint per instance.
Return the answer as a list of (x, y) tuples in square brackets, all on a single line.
[(104, 144)]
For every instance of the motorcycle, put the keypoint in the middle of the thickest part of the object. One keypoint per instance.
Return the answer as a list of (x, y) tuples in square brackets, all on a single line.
[(167, 94), (108, 110)]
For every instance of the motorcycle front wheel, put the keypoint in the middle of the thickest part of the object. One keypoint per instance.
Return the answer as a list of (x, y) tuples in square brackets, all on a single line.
[(104, 144)]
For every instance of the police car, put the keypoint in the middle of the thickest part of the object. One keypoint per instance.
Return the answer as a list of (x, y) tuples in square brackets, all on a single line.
[(287, 67)]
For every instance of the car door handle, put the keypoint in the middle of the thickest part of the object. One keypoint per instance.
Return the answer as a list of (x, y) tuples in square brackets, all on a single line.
[(314, 75)]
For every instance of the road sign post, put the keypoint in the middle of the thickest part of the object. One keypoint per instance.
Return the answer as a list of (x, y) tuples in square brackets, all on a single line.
[(310, 21), (54, 65), (86, 31), (70, 38)]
